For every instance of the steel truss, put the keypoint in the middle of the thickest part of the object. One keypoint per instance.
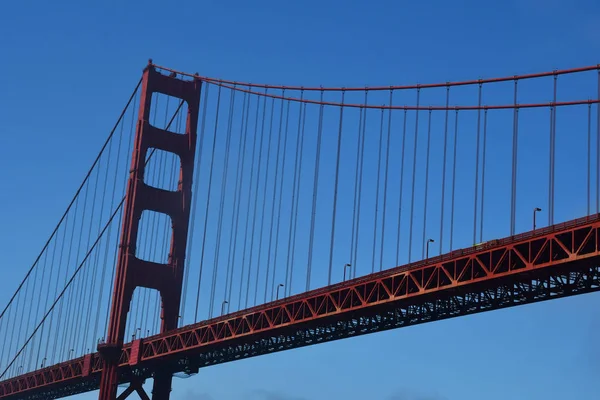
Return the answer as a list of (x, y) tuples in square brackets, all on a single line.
[(562, 260)]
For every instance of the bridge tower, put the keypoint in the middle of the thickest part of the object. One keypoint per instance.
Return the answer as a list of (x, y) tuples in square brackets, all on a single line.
[(132, 272)]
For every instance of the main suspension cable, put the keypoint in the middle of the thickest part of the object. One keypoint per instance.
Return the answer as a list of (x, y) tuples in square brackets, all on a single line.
[(417, 107), (85, 179), (401, 87)]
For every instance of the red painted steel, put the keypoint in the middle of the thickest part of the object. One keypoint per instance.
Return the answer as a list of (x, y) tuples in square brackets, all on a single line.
[(395, 87), (416, 108), (547, 255), (131, 271)]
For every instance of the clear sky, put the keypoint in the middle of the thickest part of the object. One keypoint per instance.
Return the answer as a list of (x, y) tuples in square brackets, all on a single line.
[(67, 67)]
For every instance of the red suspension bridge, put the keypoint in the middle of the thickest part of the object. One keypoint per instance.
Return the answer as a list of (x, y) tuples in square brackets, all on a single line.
[(399, 204)]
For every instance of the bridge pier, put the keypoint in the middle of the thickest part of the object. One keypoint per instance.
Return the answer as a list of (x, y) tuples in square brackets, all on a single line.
[(162, 385), (132, 272)]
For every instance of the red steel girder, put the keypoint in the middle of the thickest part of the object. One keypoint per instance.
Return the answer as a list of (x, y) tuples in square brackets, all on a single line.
[(557, 261)]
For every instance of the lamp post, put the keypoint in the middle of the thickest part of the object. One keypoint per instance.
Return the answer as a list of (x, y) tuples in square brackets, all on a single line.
[(43, 362), (427, 248), (277, 291), (223, 307), (535, 210), (345, 268)]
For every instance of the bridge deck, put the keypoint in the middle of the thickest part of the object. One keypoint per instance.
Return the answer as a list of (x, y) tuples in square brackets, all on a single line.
[(553, 262)]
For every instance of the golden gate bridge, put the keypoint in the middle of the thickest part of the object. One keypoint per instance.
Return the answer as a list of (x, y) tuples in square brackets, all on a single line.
[(255, 218)]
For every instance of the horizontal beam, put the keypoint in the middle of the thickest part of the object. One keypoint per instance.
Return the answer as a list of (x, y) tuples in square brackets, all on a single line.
[(553, 262)]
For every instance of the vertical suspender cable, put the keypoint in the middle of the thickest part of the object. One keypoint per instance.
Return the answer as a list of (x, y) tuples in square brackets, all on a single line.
[(442, 203), (285, 145), (194, 203), (254, 213), (553, 110), (234, 233), (485, 115), (589, 160), (273, 199), (108, 240), (120, 219), (513, 190), (249, 197), (362, 158), (385, 181), (315, 195), (414, 174), (335, 188), (598, 147), (550, 163), (295, 207), (79, 284), (49, 330), (207, 205), (377, 193), (264, 200), (401, 188), (22, 313), (298, 152), (423, 243), (97, 261), (33, 291), (70, 293), (476, 191), (453, 181), (356, 193), (59, 316), (224, 179)]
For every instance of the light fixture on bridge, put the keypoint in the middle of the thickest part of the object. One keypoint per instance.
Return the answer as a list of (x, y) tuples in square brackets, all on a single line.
[(346, 267), (535, 210), (427, 248), (223, 307)]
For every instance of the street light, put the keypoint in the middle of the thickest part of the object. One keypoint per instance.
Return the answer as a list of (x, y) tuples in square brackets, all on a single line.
[(345, 267), (427, 248), (71, 352), (277, 292), (43, 361), (535, 210), (223, 306)]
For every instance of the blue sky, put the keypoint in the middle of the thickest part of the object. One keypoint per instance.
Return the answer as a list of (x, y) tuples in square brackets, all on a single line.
[(67, 68)]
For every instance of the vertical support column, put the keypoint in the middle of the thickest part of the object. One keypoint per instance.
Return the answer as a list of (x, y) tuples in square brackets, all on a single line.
[(132, 272)]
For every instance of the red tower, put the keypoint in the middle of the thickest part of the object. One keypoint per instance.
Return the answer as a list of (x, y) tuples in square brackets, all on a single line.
[(131, 271)]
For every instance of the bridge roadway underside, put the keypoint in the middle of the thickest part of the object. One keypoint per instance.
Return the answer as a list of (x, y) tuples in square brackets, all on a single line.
[(562, 260)]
